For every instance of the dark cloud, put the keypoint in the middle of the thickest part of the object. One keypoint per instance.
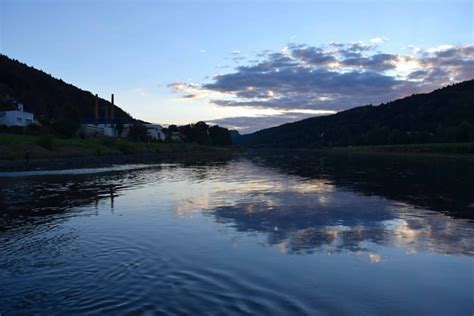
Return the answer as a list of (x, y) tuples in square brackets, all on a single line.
[(304, 88), (352, 50), (378, 62), (312, 55)]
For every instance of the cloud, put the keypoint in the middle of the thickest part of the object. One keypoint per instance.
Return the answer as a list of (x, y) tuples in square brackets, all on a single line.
[(379, 40), (333, 77)]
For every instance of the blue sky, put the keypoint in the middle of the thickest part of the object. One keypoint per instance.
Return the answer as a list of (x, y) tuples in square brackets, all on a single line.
[(153, 53)]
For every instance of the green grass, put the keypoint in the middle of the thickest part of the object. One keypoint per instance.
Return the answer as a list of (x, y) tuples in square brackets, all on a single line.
[(100, 145), (13, 139)]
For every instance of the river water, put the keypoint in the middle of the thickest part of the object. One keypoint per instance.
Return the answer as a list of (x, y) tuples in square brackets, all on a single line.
[(273, 234)]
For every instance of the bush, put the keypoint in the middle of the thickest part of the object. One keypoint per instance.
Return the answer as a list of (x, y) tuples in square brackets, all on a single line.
[(33, 129), (108, 142), (66, 127), (46, 141), (12, 129), (138, 132)]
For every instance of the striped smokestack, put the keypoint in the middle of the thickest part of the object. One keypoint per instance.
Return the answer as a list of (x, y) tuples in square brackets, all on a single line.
[(112, 109), (96, 108)]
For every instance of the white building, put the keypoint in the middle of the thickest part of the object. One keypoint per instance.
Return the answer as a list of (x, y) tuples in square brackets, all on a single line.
[(105, 125), (155, 131), (103, 128), (16, 117)]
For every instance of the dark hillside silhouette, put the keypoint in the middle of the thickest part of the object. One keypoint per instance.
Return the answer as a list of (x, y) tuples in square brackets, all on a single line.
[(444, 115), (50, 99)]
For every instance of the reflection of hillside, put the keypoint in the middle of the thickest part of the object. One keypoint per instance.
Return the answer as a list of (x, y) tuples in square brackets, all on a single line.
[(34, 200), (46, 198), (438, 184)]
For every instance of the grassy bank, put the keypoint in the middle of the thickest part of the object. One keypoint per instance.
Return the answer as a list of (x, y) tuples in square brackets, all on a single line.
[(14, 147), (437, 148)]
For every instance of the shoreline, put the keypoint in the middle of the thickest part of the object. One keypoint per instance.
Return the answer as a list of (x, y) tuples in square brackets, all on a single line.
[(196, 154), (48, 152), (367, 152), (97, 161), (401, 154)]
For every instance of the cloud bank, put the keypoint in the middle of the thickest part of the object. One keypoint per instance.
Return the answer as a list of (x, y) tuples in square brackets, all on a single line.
[(329, 78)]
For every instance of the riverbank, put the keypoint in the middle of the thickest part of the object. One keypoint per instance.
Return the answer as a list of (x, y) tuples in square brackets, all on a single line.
[(463, 151), (410, 151), (46, 152), (434, 148)]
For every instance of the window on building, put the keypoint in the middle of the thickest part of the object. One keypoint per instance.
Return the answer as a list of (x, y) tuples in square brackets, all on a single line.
[(19, 119)]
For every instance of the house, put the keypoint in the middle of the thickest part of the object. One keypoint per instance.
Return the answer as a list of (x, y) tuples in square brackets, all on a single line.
[(155, 131), (16, 117)]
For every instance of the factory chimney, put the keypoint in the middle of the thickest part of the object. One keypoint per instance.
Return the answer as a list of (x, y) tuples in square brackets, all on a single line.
[(96, 108), (112, 109)]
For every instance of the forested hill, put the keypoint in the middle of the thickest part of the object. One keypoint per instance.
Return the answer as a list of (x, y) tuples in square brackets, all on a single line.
[(49, 98), (444, 115)]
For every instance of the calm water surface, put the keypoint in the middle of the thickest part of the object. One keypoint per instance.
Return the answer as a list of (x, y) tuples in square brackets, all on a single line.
[(260, 235)]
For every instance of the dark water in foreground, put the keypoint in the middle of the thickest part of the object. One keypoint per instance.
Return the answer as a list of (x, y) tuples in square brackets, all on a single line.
[(263, 235)]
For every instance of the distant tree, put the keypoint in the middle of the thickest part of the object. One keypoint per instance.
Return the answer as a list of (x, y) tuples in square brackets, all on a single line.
[(173, 128), (201, 133), (138, 132), (219, 136), (395, 137), (465, 132), (119, 127), (187, 132), (67, 123), (169, 132), (451, 134)]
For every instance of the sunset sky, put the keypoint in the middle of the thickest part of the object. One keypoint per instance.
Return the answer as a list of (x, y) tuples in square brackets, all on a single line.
[(243, 64)]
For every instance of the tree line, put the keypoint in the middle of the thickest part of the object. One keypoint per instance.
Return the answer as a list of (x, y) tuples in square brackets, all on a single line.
[(200, 133)]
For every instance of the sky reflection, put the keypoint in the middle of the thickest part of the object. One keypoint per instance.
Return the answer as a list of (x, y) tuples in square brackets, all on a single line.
[(298, 215), (301, 215)]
